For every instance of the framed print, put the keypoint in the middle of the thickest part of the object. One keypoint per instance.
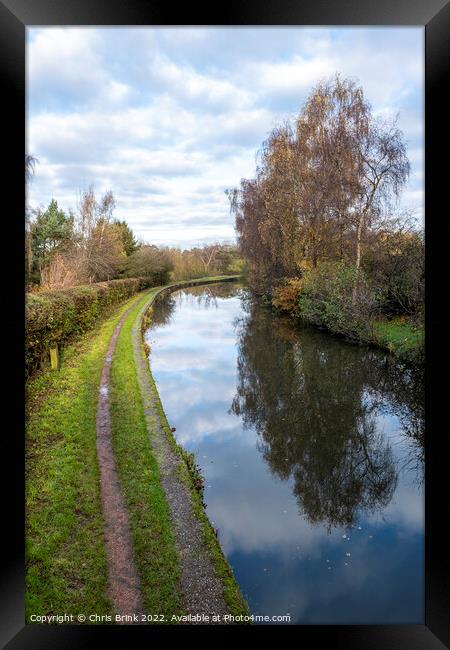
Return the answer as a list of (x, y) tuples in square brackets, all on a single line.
[(232, 262)]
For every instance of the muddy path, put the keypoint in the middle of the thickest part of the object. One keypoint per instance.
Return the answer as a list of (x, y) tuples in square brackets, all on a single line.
[(124, 589)]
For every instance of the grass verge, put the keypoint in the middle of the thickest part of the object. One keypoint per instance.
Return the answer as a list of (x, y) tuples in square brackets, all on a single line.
[(66, 566), (402, 338), (66, 569)]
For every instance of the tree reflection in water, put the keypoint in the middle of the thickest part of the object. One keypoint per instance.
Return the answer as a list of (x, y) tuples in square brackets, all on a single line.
[(165, 304), (163, 310), (315, 401), (208, 295)]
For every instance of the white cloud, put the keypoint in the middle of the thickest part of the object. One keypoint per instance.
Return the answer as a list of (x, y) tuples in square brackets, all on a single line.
[(188, 84), (168, 118), (63, 61), (292, 77)]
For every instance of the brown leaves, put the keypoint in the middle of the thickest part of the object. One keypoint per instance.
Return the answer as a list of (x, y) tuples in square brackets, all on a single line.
[(320, 183)]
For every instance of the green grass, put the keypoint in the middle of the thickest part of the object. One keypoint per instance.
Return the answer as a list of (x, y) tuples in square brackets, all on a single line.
[(66, 570), (154, 545), (66, 566), (401, 337)]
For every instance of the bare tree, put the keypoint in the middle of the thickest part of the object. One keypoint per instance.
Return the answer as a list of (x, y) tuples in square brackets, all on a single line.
[(96, 251), (97, 237), (64, 270), (383, 171), (30, 163), (207, 254), (87, 213), (320, 185)]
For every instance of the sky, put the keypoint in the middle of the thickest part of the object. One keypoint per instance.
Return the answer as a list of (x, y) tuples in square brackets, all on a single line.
[(168, 118)]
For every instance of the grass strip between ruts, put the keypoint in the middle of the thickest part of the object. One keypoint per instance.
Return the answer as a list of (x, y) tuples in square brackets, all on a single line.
[(154, 545)]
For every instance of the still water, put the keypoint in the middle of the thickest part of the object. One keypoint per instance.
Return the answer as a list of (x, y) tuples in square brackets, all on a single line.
[(312, 453)]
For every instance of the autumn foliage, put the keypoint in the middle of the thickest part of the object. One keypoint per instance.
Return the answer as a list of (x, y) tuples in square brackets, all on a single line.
[(324, 183)]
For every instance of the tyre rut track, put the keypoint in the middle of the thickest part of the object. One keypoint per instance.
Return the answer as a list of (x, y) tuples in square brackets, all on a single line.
[(124, 588), (201, 587)]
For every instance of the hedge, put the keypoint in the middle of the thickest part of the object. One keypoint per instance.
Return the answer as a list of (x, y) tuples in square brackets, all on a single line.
[(58, 317)]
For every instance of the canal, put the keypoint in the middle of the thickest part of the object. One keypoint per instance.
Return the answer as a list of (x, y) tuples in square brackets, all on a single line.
[(312, 453)]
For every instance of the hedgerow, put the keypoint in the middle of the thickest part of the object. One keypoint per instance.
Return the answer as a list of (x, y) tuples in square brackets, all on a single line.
[(58, 317)]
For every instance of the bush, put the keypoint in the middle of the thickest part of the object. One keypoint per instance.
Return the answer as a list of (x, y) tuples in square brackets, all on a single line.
[(286, 296), (58, 317), (337, 296), (395, 265), (150, 262)]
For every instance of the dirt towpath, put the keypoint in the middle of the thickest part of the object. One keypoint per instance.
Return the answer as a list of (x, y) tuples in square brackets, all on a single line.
[(124, 588)]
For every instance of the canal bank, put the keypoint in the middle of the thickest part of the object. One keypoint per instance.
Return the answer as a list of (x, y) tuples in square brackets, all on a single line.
[(329, 304), (181, 571)]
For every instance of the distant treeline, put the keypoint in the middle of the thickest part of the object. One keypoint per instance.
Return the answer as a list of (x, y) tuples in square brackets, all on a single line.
[(70, 249)]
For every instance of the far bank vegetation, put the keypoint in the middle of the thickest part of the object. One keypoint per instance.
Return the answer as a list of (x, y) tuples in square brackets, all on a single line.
[(319, 225)]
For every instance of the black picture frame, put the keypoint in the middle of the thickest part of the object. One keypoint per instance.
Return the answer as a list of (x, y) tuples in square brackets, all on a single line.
[(434, 15)]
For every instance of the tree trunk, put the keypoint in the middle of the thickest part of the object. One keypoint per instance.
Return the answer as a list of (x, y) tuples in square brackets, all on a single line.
[(362, 217), (341, 242), (358, 253), (358, 241), (29, 253)]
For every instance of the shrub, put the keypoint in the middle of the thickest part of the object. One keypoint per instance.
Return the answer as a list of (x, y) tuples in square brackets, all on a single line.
[(395, 265), (58, 317), (286, 296), (150, 262), (337, 296)]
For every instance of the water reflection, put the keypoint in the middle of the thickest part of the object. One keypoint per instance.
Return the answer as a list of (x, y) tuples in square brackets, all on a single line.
[(163, 310), (314, 402), (312, 454), (204, 296)]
